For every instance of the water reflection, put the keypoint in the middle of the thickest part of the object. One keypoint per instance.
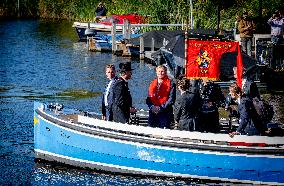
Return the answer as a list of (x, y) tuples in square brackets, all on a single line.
[(41, 60), (62, 175)]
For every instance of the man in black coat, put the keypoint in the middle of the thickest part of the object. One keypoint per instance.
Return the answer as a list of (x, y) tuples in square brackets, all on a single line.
[(122, 100), (212, 98), (186, 107)]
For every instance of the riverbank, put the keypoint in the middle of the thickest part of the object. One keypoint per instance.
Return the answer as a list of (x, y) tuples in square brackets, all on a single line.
[(205, 14)]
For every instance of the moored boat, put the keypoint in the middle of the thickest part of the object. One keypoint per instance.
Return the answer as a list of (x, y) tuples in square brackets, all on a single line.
[(78, 139), (84, 29), (104, 27)]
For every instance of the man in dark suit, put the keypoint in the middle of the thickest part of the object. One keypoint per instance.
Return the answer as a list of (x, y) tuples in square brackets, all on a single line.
[(108, 93), (186, 107), (212, 98), (122, 100)]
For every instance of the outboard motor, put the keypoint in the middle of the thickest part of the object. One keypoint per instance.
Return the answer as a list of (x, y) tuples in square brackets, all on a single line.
[(55, 106), (90, 32)]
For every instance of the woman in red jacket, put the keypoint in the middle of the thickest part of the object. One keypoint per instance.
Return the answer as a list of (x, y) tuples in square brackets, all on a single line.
[(162, 95)]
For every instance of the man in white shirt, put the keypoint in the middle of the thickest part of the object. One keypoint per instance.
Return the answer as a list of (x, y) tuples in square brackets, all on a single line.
[(108, 93), (276, 23)]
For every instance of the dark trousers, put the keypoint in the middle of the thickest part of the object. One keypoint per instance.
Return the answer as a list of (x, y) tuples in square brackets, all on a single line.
[(120, 115), (209, 121), (109, 114), (161, 120), (246, 44), (277, 53), (188, 124)]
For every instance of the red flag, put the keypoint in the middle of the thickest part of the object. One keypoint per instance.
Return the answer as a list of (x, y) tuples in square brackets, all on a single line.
[(239, 67), (203, 58)]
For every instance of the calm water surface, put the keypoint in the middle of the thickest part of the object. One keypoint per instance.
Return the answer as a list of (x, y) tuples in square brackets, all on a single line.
[(42, 60)]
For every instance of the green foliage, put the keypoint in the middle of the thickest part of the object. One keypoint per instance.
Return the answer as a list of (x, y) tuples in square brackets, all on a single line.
[(160, 11)]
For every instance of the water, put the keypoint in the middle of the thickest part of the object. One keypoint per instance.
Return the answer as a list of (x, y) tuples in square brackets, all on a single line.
[(42, 60)]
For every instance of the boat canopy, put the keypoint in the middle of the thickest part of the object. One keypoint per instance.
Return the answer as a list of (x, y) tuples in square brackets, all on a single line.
[(119, 19)]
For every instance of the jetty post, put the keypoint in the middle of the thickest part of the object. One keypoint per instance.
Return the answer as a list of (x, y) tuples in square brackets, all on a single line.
[(126, 29), (141, 52), (153, 45), (113, 35)]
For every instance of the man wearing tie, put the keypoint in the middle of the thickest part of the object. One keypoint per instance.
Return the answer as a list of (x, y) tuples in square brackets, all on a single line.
[(108, 93)]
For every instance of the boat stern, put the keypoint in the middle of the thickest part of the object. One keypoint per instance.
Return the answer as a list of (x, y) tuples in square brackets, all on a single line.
[(37, 105)]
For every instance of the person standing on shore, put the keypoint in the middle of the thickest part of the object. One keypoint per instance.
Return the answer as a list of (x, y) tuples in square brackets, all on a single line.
[(101, 10), (246, 28), (108, 93), (276, 23)]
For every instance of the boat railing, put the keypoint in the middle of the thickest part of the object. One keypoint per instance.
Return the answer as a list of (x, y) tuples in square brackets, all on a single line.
[(141, 118)]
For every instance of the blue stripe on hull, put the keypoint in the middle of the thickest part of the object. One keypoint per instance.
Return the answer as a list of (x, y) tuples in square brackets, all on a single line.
[(63, 142)]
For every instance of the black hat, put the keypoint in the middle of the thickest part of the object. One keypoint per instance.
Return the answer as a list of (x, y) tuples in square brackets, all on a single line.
[(125, 66)]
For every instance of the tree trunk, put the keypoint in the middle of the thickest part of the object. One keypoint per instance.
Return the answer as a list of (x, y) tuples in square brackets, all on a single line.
[(218, 18)]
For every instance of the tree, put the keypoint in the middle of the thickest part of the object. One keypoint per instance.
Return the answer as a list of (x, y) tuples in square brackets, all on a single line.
[(222, 5)]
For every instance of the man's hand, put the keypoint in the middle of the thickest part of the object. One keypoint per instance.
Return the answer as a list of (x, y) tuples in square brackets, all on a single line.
[(155, 109), (133, 110), (232, 134)]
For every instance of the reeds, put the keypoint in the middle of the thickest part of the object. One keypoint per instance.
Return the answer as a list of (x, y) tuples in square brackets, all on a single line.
[(160, 11)]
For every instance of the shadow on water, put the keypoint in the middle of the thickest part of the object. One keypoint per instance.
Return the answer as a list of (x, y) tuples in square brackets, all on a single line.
[(57, 173), (56, 29)]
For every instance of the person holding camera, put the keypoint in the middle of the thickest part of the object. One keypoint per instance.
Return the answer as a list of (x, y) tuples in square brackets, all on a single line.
[(276, 23)]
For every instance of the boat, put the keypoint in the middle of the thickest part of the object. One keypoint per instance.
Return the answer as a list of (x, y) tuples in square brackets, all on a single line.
[(97, 44), (81, 139), (103, 43), (104, 27)]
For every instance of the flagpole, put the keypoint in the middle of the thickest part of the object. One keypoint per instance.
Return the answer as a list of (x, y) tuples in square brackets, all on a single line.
[(185, 46), (191, 16), (18, 6)]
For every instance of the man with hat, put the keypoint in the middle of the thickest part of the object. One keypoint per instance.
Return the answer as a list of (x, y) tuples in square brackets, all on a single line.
[(246, 28), (122, 100)]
